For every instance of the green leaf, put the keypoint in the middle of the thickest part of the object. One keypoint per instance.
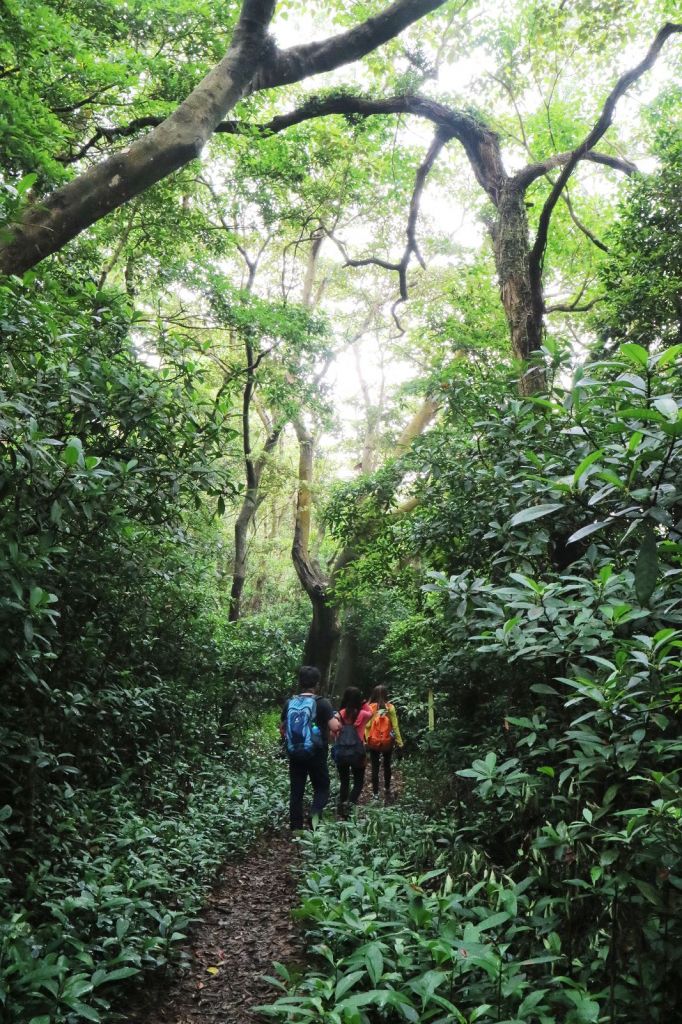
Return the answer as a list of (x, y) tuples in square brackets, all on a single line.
[(648, 891), (121, 972), (535, 512), (646, 567), (635, 353), (375, 963), (669, 355), (346, 982), (88, 1012), (668, 408), (73, 451), (493, 921), (585, 531), (525, 581), (26, 182), (583, 466)]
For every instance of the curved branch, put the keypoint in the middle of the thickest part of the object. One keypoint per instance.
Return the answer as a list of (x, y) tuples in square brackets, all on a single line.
[(580, 226), (574, 307), (252, 62), (440, 139), (527, 175), (593, 136)]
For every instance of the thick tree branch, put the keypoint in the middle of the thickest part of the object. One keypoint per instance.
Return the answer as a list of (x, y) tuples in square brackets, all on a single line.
[(417, 425), (529, 174), (298, 62), (594, 135), (50, 223), (479, 141), (250, 64)]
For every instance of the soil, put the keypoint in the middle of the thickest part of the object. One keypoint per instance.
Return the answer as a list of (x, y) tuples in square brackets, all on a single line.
[(245, 926)]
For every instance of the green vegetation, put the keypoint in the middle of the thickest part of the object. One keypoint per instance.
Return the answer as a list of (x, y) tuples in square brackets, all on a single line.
[(120, 879), (551, 888), (369, 356)]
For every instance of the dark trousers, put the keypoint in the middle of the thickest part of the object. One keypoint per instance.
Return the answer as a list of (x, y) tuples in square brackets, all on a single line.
[(376, 756), (315, 769), (358, 772)]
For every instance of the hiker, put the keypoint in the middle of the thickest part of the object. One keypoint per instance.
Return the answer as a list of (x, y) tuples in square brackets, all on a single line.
[(348, 751), (382, 733), (307, 721)]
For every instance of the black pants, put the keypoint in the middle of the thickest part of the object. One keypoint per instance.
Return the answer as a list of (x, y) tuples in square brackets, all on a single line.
[(376, 756), (315, 769), (358, 772)]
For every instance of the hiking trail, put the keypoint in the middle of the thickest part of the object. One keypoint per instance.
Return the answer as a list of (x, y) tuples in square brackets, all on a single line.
[(245, 925)]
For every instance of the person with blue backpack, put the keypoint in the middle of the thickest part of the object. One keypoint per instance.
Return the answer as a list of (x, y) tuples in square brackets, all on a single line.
[(307, 722)]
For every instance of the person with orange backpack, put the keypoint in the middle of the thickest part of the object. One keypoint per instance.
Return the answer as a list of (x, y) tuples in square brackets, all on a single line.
[(382, 733)]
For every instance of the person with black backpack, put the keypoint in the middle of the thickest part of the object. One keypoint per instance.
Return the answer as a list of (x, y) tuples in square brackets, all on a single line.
[(307, 722), (348, 751)]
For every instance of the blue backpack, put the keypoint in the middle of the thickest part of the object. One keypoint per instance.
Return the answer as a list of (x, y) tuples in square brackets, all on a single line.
[(301, 732)]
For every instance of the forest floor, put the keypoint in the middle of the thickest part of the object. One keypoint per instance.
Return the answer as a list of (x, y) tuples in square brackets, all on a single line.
[(245, 926)]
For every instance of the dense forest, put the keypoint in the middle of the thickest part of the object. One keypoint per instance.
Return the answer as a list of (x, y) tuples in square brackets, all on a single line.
[(343, 335)]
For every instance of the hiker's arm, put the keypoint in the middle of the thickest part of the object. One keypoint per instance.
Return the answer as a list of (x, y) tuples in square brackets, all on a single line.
[(334, 725), (392, 714)]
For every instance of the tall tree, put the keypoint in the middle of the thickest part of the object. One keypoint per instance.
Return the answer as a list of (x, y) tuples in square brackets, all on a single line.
[(518, 259), (252, 63)]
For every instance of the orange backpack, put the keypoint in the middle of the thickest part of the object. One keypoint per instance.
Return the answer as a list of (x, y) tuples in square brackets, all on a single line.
[(381, 736)]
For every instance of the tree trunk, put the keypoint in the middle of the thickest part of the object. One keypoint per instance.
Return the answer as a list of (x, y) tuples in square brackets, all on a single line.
[(324, 626), (522, 306), (323, 635), (241, 530), (344, 675)]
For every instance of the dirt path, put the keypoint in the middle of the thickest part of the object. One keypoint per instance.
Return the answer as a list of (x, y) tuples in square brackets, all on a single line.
[(245, 925)]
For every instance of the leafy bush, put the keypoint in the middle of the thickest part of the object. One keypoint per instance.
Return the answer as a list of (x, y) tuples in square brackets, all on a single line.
[(551, 631), (119, 881), (395, 942)]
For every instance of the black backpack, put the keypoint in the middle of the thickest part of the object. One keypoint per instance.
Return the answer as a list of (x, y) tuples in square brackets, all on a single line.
[(348, 748)]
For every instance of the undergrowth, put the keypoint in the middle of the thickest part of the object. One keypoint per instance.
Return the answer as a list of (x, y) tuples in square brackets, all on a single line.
[(409, 919), (119, 880)]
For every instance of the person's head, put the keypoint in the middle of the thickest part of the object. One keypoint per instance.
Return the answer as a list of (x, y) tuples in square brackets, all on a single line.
[(308, 678), (352, 701), (379, 696)]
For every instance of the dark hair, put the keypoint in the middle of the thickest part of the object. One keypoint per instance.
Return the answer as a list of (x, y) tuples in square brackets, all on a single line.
[(352, 701), (379, 695), (309, 677)]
